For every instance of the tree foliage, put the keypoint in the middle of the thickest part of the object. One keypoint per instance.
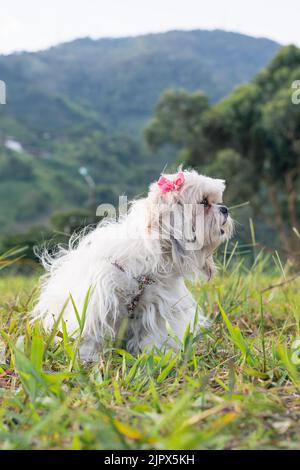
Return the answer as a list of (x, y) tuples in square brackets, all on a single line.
[(84, 103), (252, 137)]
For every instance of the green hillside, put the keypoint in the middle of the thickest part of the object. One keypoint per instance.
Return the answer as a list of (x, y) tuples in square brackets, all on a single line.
[(120, 80), (85, 103)]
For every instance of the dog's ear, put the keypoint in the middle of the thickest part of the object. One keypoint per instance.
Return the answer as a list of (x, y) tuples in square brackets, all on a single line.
[(178, 250), (189, 223), (152, 220), (159, 206), (177, 236)]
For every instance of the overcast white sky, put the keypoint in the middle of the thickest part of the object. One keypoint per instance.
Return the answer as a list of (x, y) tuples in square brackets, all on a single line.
[(37, 24)]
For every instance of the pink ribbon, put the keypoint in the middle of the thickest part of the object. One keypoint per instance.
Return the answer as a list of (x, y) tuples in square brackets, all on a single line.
[(168, 185)]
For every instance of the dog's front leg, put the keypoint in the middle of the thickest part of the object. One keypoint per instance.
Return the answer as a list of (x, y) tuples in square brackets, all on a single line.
[(89, 349), (182, 318)]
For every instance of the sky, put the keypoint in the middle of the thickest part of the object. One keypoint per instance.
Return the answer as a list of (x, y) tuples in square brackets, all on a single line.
[(38, 24)]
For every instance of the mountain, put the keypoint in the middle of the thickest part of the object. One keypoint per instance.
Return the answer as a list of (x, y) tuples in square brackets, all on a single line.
[(85, 103), (120, 80)]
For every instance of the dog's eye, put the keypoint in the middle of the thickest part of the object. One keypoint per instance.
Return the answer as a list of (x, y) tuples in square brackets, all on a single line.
[(205, 202)]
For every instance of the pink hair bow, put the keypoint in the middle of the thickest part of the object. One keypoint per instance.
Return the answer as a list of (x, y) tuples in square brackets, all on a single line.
[(168, 185)]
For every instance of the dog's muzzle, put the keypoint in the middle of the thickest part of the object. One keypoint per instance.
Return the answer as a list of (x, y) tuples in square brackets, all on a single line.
[(224, 212)]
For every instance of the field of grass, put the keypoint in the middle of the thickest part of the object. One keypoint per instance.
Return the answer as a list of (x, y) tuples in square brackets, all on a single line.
[(235, 387)]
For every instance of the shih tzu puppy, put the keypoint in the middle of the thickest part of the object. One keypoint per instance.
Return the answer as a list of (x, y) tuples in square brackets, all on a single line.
[(133, 269)]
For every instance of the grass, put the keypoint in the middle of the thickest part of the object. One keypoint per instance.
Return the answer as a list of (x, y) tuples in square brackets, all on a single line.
[(235, 387)]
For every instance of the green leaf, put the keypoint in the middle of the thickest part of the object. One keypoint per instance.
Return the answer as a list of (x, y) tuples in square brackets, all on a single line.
[(37, 349), (237, 338), (165, 372)]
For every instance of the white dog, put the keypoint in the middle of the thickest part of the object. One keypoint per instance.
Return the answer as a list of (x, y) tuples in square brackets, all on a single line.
[(134, 268)]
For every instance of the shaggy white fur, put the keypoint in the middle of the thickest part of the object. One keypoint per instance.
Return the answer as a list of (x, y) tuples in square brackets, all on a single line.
[(162, 239)]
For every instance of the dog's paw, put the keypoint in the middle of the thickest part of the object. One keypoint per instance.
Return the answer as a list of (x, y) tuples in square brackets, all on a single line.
[(89, 351)]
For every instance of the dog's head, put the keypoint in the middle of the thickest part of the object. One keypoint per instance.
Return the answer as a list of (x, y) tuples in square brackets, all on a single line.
[(187, 213)]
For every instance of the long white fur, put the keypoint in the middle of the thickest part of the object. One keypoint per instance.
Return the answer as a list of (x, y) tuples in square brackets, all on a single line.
[(141, 243)]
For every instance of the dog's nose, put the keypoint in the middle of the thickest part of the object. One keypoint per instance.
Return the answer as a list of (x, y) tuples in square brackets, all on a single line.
[(224, 210)]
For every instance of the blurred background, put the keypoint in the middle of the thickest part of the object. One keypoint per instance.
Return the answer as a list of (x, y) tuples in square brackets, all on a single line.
[(101, 96)]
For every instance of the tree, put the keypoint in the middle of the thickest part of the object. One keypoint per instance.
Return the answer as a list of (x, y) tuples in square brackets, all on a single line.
[(177, 122), (261, 122), (261, 126)]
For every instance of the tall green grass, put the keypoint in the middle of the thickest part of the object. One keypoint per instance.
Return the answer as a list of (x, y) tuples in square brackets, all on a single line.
[(234, 386)]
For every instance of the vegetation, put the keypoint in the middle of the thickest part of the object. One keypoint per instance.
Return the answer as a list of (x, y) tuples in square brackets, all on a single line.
[(251, 138), (85, 103), (81, 106), (32, 188), (235, 387), (116, 82)]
